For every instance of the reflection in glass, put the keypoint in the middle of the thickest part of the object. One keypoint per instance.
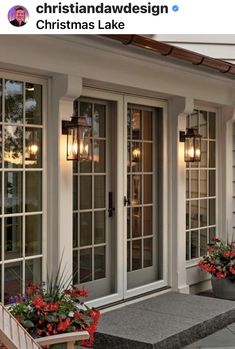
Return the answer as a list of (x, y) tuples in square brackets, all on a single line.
[(203, 183), (13, 192), (99, 227), (128, 156), (33, 191), (187, 184), (86, 110), (136, 190), (136, 254), (148, 220), (13, 237), (99, 156), (0, 146), (85, 265), (1, 94), (136, 221), (33, 271), (33, 147), (13, 152), (148, 125), (212, 125), (211, 211), (85, 229), (0, 193), (203, 242), (203, 124), (75, 267), (75, 192), (136, 124), (212, 154), (33, 235), (203, 162), (194, 214), (194, 184), (99, 120), (194, 244), (33, 104), (13, 101), (203, 213), (75, 230), (148, 164), (148, 252), (99, 270), (128, 256), (99, 192), (187, 245), (187, 214), (12, 280), (136, 154), (85, 192), (128, 223), (212, 175), (212, 233), (148, 189)]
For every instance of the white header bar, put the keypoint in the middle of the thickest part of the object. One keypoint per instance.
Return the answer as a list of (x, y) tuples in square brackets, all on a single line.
[(117, 17)]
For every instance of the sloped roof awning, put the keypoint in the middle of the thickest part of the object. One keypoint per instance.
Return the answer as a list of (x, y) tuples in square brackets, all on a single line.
[(176, 52)]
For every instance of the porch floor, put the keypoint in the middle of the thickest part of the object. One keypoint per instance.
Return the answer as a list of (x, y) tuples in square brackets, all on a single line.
[(167, 321)]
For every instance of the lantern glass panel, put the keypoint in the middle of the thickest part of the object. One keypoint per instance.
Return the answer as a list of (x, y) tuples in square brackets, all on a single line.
[(84, 143), (189, 149), (72, 143), (197, 149)]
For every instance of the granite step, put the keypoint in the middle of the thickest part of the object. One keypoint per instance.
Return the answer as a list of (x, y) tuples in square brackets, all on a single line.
[(167, 321)]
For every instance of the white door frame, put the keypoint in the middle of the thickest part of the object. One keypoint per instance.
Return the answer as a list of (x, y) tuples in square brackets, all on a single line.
[(164, 282), (121, 189)]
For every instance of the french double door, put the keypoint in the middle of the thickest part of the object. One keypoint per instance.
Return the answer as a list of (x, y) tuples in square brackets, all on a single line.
[(117, 199)]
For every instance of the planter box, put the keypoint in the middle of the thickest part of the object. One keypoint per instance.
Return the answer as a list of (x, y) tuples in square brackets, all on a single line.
[(223, 288)]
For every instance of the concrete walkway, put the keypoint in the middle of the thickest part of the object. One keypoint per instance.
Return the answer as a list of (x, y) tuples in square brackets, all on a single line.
[(168, 321)]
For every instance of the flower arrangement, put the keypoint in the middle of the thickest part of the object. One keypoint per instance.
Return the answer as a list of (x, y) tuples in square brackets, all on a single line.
[(54, 311), (220, 260)]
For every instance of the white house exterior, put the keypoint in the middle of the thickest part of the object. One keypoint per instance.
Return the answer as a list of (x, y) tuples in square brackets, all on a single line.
[(52, 208)]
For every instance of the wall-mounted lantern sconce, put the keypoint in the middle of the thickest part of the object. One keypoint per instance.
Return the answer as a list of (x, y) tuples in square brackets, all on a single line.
[(192, 145), (78, 138)]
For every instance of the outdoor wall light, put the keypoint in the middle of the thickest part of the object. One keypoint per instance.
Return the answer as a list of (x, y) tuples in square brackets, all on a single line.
[(192, 145), (78, 138)]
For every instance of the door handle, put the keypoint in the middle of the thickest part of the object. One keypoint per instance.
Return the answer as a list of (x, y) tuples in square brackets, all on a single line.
[(126, 201), (111, 209)]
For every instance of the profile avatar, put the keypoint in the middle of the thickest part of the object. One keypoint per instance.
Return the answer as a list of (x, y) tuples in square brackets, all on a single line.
[(18, 16)]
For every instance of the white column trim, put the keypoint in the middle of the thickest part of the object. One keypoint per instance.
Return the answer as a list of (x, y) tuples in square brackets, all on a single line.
[(65, 89), (179, 107)]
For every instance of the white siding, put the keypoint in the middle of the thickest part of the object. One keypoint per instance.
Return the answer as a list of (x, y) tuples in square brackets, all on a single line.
[(217, 46)]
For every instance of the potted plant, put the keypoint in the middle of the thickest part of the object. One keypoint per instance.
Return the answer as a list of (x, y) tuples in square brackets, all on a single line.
[(220, 263), (54, 311)]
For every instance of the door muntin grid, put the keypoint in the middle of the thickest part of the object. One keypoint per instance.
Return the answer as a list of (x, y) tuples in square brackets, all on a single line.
[(21, 208), (201, 186), (90, 185), (140, 188)]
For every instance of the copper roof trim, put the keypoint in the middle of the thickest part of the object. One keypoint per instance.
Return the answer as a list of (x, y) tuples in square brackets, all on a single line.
[(175, 52)]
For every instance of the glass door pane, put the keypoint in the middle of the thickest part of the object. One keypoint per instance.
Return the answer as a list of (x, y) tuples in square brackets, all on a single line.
[(141, 232), (91, 223)]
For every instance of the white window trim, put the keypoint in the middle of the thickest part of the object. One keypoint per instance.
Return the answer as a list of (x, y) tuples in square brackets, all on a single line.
[(194, 262), (44, 83)]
